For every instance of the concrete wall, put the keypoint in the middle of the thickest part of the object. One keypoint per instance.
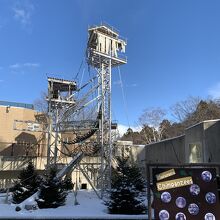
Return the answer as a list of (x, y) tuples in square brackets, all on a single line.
[(167, 151), (194, 136), (200, 144), (212, 142)]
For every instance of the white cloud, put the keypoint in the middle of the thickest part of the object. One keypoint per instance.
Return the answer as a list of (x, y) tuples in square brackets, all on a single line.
[(132, 85), (214, 91), (23, 11), (23, 68), (118, 82), (15, 66), (24, 65), (31, 64), (123, 128)]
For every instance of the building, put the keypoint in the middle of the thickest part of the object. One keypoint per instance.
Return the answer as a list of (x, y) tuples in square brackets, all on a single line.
[(199, 144), (134, 152), (16, 137), (23, 138)]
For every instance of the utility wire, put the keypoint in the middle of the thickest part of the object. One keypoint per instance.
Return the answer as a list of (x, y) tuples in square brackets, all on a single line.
[(123, 96), (76, 77)]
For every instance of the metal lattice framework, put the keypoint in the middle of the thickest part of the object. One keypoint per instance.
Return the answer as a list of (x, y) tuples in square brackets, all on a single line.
[(91, 135), (104, 51)]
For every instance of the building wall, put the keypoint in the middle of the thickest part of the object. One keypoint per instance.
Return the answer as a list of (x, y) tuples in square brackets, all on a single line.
[(212, 142), (9, 135), (200, 144), (194, 144), (168, 151), (11, 167)]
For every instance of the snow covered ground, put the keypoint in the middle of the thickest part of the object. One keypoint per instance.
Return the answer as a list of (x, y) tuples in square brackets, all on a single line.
[(90, 207)]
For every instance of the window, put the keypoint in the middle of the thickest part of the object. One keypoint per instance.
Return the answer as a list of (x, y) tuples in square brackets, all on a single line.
[(195, 153), (83, 186)]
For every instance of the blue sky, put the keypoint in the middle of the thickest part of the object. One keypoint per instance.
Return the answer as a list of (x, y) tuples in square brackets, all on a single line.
[(173, 48)]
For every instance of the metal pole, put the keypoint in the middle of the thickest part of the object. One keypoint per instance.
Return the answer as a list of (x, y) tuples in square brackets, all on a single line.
[(110, 124), (49, 126), (102, 131), (56, 137), (148, 193)]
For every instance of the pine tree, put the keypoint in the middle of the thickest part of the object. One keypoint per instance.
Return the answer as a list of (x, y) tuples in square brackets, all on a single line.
[(52, 194), (126, 195), (27, 184), (67, 183)]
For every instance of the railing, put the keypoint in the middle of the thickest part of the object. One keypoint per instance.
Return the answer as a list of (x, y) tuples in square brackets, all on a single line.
[(111, 28), (119, 56), (17, 104)]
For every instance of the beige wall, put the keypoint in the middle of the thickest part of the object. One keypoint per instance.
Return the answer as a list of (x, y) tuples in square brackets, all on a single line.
[(7, 117), (9, 135), (10, 168)]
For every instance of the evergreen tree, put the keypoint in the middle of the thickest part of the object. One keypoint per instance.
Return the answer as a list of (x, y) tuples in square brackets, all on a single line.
[(126, 195), (52, 194), (27, 184), (67, 183)]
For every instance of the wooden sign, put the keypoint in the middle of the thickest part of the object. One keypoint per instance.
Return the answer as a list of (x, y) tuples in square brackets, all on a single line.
[(171, 184), (165, 174)]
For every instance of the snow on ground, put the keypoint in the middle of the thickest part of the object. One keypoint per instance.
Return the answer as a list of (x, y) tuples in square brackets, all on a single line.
[(90, 207)]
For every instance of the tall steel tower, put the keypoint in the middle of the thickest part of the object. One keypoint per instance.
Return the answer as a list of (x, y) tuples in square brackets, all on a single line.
[(105, 50)]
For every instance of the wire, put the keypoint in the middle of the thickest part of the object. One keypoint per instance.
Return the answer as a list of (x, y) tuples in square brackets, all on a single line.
[(76, 77), (175, 152), (82, 77), (123, 96)]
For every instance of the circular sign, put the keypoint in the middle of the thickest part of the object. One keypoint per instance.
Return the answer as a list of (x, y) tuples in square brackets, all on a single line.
[(193, 209), (210, 198), (164, 215), (194, 189), (165, 197), (180, 216), (180, 202), (209, 216), (206, 176)]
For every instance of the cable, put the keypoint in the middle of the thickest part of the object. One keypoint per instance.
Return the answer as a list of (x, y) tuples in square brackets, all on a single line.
[(75, 78), (123, 96), (177, 158)]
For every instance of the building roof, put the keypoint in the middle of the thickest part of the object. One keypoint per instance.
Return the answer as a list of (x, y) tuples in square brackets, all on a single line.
[(202, 122), (17, 104), (105, 29), (167, 139)]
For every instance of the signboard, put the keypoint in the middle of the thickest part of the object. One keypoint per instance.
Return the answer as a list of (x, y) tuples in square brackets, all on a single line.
[(31, 126), (187, 194), (165, 174), (175, 183)]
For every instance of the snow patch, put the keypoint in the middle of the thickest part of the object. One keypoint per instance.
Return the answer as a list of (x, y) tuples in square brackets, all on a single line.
[(90, 207)]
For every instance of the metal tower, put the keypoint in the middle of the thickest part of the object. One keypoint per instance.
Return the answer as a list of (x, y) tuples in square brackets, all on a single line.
[(60, 97), (105, 50)]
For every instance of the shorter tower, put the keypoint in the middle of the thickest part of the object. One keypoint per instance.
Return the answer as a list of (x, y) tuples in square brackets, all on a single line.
[(60, 97)]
